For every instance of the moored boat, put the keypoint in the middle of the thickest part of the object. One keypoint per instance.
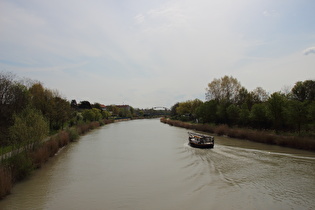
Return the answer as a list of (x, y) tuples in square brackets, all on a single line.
[(200, 140)]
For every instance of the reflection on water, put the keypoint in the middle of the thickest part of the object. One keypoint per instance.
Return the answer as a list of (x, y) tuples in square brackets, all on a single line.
[(144, 164)]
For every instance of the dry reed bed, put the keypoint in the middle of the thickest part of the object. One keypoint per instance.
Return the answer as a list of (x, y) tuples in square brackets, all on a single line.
[(10, 173), (305, 143)]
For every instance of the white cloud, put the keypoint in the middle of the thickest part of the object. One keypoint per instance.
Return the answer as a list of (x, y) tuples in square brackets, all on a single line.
[(310, 50)]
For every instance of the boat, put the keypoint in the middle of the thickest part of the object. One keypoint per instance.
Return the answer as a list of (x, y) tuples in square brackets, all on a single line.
[(200, 140)]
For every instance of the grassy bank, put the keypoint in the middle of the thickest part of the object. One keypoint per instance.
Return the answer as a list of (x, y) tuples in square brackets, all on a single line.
[(267, 137), (19, 166)]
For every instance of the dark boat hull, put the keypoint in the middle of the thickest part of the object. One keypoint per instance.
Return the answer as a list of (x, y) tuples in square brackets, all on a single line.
[(206, 145)]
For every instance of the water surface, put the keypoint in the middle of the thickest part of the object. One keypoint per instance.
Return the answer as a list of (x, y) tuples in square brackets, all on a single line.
[(145, 164)]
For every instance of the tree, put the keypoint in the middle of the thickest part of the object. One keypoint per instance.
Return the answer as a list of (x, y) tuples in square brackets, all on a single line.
[(244, 115), (189, 108), (304, 90), (222, 115), (258, 115), (206, 112), (173, 109), (74, 104), (29, 128), (224, 89), (243, 96), (61, 112), (88, 115), (259, 95), (297, 113), (40, 99), (276, 108), (13, 98), (97, 114), (233, 113), (85, 105), (311, 112)]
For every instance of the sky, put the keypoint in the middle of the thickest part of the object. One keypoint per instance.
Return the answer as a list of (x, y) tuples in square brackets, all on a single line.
[(158, 52)]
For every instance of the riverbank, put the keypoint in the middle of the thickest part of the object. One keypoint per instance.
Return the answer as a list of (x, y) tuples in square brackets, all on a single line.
[(19, 166), (267, 137)]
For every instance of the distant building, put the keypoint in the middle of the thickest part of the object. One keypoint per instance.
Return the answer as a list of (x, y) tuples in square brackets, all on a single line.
[(103, 107), (126, 107)]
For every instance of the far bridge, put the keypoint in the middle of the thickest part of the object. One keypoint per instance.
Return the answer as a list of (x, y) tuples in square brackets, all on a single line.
[(160, 108)]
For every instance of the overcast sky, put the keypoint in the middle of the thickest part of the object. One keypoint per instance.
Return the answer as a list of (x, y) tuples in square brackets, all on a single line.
[(158, 52)]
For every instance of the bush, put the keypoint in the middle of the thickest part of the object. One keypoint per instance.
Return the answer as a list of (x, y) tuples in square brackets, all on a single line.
[(21, 165), (73, 134)]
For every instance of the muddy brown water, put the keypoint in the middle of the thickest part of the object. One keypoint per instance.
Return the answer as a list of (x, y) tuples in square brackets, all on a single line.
[(145, 164)]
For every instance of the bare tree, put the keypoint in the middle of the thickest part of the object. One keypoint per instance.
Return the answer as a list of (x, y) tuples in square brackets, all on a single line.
[(223, 89)]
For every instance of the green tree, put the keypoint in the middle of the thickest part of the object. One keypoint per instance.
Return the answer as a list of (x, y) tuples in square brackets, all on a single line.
[(88, 115), (311, 112), (105, 114), (233, 113), (258, 116), (189, 108), (222, 115), (29, 128), (244, 115), (304, 90), (173, 110), (97, 114), (297, 113), (60, 113), (14, 97), (206, 112), (276, 108)]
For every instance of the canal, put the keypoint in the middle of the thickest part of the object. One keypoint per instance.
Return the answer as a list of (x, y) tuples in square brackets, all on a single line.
[(145, 164)]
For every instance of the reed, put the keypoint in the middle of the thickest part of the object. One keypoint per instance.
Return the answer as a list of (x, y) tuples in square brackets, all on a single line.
[(82, 129), (52, 146), (63, 138), (93, 125), (40, 156), (5, 181)]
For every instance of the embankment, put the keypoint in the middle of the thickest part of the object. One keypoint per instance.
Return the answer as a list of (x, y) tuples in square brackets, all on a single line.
[(267, 137)]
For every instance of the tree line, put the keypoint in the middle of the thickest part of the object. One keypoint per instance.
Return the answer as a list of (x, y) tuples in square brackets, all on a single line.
[(228, 102), (29, 111)]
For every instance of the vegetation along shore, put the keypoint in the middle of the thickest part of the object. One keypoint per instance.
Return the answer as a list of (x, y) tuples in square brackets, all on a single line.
[(262, 136), (285, 118)]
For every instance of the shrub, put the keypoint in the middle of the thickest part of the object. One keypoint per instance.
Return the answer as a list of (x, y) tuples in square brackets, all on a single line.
[(21, 165), (73, 134)]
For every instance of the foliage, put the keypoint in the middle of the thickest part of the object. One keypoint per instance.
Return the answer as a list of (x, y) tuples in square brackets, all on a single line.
[(227, 102), (224, 89), (29, 128), (304, 90), (13, 98), (189, 108), (21, 165), (276, 109)]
